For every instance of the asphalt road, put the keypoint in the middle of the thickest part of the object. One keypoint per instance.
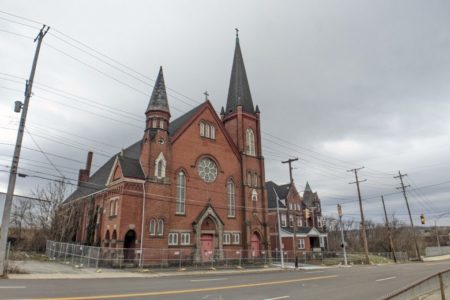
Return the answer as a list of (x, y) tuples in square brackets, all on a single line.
[(356, 282)]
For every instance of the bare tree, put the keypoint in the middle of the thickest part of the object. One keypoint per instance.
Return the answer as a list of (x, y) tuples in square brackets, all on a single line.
[(21, 215)]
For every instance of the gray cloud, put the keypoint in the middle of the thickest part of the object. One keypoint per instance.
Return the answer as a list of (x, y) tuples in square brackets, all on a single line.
[(357, 82)]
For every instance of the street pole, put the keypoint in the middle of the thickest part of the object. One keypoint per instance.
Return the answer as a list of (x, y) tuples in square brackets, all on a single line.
[(15, 161), (391, 243), (363, 222), (280, 239), (342, 233), (403, 187), (289, 161), (437, 235)]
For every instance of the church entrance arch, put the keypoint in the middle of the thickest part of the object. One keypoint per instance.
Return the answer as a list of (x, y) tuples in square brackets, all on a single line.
[(256, 244), (129, 244), (208, 228)]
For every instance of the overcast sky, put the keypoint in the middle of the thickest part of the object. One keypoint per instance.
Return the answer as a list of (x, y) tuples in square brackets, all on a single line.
[(340, 84)]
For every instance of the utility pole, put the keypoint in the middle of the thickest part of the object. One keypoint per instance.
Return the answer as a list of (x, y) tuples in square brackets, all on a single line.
[(363, 222), (403, 188), (15, 161), (391, 243), (289, 161), (280, 239), (339, 208)]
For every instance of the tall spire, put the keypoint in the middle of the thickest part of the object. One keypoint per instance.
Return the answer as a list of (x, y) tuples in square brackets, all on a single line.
[(308, 188), (158, 100), (239, 90)]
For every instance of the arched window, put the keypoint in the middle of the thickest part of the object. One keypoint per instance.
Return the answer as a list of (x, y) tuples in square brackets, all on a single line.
[(160, 166), (207, 130), (254, 195), (250, 142), (231, 199), (202, 129), (152, 227), (181, 193), (255, 180), (160, 227)]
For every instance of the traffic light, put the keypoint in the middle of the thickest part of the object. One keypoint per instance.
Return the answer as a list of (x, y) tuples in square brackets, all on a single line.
[(422, 219)]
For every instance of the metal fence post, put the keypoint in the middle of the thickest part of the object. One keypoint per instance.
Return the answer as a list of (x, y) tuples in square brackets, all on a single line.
[(181, 253), (98, 257), (8, 248), (441, 286)]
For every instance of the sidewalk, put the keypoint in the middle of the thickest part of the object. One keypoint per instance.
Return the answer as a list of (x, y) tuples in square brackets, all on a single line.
[(55, 270)]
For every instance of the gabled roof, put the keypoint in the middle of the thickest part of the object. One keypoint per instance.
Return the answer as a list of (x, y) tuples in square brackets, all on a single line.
[(309, 197), (239, 90), (99, 179), (282, 192), (158, 99), (309, 231), (177, 124), (131, 167)]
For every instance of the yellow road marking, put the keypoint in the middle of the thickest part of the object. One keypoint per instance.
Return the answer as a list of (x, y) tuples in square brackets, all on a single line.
[(174, 292)]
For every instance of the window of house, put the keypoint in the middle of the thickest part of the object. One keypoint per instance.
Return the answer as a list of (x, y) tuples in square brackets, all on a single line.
[(249, 179), (161, 227), (283, 220), (236, 238), (231, 199), (173, 238), (207, 131), (160, 166), (250, 142), (213, 132), (301, 244), (322, 241), (154, 123), (299, 222), (152, 227), (226, 239), (161, 123), (291, 220), (290, 206), (185, 238), (181, 193)]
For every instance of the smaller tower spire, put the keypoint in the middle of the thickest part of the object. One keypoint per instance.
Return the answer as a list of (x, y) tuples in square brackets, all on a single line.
[(158, 99)]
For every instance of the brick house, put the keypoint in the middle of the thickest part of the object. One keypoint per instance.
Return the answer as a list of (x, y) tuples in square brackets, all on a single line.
[(302, 214), (195, 183)]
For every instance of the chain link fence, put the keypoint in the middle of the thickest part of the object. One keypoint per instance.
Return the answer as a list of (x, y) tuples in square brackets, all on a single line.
[(106, 257), (179, 258), (431, 288)]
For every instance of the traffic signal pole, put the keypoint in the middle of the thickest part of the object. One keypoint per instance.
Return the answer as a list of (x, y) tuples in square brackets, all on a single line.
[(18, 147)]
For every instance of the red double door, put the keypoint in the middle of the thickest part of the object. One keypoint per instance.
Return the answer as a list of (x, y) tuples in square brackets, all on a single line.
[(207, 247), (256, 245)]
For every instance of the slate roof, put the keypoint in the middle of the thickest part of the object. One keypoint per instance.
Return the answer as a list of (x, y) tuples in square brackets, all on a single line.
[(178, 123), (158, 99), (302, 230), (281, 190), (129, 161), (239, 90), (131, 167)]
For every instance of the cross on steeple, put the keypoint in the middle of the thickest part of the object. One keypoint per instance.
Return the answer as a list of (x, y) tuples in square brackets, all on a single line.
[(237, 32), (206, 95)]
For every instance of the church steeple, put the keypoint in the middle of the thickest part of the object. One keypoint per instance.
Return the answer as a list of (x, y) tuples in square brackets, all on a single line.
[(239, 90), (158, 100)]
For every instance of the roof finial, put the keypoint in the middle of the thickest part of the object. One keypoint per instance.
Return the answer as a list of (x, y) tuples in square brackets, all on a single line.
[(206, 95), (237, 32)]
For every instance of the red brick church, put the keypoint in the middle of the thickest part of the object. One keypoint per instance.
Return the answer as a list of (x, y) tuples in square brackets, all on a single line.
[(195, 183)]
